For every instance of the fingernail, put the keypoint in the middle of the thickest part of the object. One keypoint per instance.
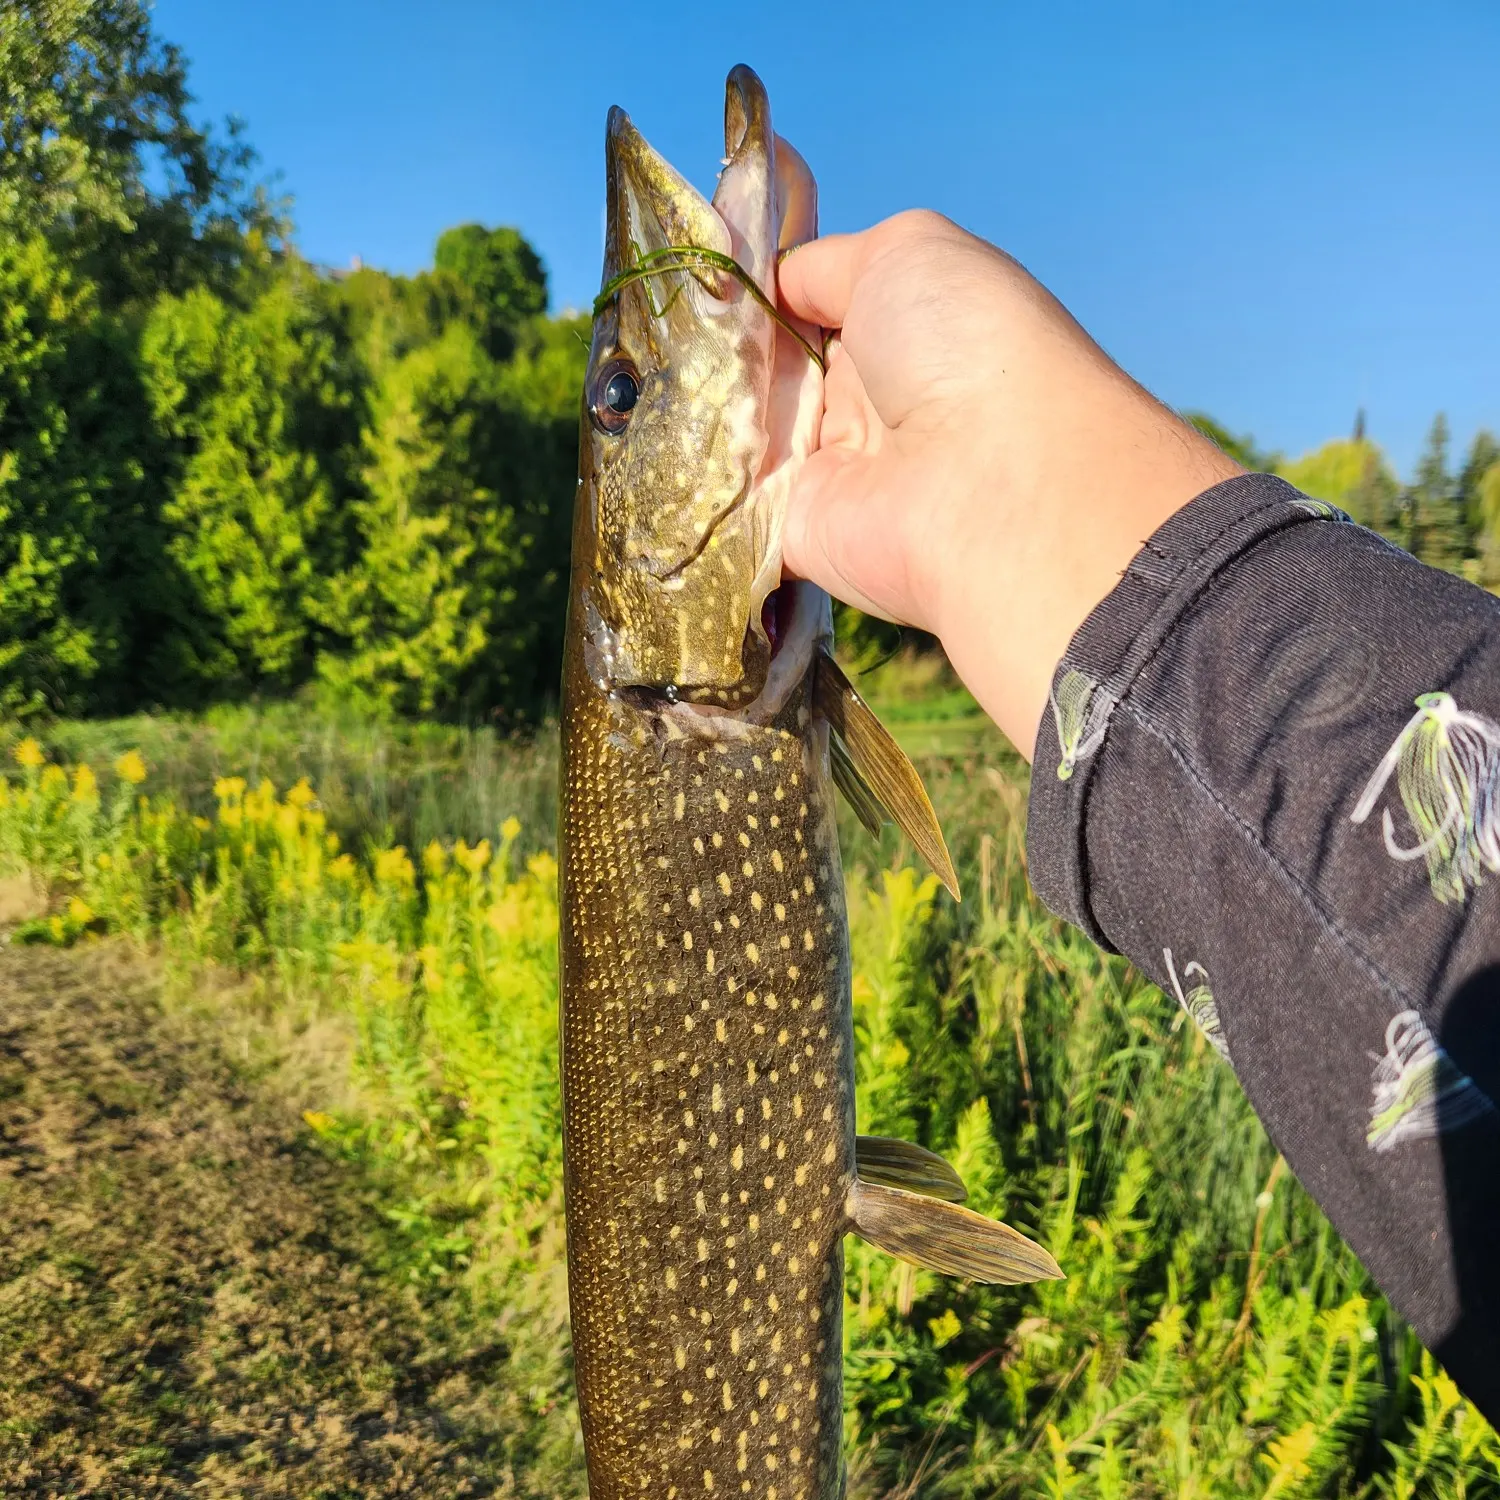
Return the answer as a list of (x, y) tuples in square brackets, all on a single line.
[(782, 255)]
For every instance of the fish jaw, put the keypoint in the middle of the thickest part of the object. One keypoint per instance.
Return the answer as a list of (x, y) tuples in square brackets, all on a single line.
[(677, 542)]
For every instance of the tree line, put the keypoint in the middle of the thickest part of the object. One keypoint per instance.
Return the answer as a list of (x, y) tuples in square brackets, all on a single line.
[(224, 471), (1447, 515)]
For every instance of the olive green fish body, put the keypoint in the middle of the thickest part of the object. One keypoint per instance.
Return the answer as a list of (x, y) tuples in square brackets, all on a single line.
[(708, 1101), (711, 1163)]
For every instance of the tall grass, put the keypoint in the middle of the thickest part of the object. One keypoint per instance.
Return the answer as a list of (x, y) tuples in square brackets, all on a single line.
[(1213, 1337)]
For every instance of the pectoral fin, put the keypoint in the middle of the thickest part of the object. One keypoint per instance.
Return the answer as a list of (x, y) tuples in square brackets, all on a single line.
[(946, 1237), (899, 1164), (872, 770)]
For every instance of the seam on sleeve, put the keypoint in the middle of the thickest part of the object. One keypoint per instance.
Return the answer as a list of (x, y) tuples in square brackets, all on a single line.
[(1398, 993)]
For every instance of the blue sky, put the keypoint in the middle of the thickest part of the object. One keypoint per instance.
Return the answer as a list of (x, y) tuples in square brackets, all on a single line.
[(1278, 212)]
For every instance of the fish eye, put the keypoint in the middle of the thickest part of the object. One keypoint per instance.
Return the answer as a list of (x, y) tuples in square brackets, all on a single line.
[(616, 391)]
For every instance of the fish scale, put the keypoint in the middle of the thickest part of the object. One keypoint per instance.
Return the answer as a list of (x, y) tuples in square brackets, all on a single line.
[(708, 1104)]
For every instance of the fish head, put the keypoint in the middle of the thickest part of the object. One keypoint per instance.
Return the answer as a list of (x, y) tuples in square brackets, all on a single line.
[(677, 547)]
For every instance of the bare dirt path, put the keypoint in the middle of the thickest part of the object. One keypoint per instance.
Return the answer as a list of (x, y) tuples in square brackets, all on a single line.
[(189, 1303)]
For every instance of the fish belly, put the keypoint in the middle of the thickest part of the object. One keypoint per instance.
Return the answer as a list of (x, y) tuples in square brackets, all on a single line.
[(708, 1108)]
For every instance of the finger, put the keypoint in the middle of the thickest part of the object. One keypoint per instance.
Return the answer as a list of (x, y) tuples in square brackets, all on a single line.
[(830, 541), (817, 279)]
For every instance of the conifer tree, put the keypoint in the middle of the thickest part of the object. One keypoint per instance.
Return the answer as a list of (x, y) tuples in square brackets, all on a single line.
[(1435, 525)]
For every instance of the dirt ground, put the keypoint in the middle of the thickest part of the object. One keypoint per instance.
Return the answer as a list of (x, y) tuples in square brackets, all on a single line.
[(189, 1303)]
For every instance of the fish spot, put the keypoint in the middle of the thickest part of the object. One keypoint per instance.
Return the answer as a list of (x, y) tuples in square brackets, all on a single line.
[(724, 883), (687, 941), (679, 806)]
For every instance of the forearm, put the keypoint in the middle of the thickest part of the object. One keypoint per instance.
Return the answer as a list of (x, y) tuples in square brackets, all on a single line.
[(1216, 728)]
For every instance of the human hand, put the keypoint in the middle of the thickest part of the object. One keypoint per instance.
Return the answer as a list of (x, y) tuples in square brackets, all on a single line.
[(985, 471)]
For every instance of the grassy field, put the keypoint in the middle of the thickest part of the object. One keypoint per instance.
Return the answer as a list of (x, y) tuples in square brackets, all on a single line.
[(277, 1069)]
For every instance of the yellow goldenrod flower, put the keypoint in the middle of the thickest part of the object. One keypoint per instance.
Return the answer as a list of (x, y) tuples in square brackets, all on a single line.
[(28, 754), (260, 805), (331, 843), (54, 779), (434, 858), (130, 767), (105, 861), (202, 824), (473, 860), (342, 868), (319, 1121), (80, 912), (510, 829), (392, 867), (301, 795), (85, 785), (229, 788)]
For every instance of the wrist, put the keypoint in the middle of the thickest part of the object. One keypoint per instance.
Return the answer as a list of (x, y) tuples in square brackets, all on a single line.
[(1030, 561)]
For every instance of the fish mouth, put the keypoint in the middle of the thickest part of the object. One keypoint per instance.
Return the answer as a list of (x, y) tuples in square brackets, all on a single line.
[(651, 206)]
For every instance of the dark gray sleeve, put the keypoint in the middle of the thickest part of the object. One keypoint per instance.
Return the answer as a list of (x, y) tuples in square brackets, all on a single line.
[(1271, 777)]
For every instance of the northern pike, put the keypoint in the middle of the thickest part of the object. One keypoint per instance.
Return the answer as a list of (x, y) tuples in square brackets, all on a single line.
[(711, 1163)]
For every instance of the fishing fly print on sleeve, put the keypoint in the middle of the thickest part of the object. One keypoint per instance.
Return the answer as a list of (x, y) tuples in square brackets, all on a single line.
[(1197, 1001), (1080, 710), (1419, 1090), (1446, 762)]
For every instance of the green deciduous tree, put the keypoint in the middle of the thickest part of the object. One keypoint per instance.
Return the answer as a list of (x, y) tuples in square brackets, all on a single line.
[(500, 267), (1351, 473), (47, 507), (97, 150), (1479, 493)]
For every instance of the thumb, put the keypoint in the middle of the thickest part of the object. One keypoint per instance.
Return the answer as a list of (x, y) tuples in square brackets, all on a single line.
[(833, 538), (816, 279)]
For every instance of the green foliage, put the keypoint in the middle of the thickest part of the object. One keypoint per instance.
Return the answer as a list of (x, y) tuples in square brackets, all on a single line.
[(1241, 448), (1213, 1336), (52, 489), (444, 608), (1351, 473), (213, 460), (97, 150), (501, 272), (257, 417), (1432, 513)]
